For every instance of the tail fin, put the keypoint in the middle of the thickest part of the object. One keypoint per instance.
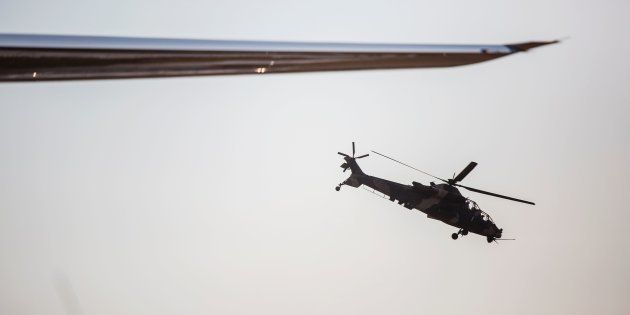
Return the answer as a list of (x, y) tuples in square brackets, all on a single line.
[(351, 161), (351, 164)]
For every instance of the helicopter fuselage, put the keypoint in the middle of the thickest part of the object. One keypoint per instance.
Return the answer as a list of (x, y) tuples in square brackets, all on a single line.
[(441, 202)]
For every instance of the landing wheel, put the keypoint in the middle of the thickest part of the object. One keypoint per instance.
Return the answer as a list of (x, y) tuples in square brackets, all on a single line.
[(490, 239), (464, 232), (337, 188), (454, 236)]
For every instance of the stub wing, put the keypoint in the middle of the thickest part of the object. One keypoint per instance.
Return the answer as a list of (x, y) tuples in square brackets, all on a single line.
[(53, 57), (404, 194)]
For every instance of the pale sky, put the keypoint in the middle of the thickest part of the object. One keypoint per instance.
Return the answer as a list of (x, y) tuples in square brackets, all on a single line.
[(215, 195)]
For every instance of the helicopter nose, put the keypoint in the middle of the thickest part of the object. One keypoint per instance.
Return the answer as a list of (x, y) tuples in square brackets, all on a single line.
[(498, 233)]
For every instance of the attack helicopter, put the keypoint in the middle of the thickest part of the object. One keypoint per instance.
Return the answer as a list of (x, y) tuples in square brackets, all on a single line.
[(441, 202)]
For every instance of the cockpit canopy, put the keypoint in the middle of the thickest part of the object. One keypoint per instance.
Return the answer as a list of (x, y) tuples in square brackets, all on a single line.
[(472, 206)]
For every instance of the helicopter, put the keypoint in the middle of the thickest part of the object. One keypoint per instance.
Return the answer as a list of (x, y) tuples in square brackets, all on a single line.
[(441, 202)]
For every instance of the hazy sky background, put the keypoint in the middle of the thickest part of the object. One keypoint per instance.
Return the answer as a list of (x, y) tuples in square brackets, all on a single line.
[(215, 195)]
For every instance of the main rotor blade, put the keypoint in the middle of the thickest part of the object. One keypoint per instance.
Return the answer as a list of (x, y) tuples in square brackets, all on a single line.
[(464, 172), (494, 195), (423, 172), (343, 154), (362, 156), (353, 148)]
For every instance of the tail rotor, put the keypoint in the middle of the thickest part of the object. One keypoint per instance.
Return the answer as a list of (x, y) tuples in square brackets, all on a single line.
[(350, 163), (349, 158), (353, 153)]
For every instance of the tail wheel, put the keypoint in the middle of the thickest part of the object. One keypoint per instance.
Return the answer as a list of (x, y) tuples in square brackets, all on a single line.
[(454, 236)]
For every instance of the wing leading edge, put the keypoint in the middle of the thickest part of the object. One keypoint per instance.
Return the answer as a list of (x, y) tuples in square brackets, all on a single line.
[(52, 57)]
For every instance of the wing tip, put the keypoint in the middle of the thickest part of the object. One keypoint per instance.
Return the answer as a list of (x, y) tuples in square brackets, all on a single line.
[(521, 47)]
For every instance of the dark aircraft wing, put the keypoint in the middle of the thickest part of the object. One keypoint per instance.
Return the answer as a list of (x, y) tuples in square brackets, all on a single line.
[(53, 57)]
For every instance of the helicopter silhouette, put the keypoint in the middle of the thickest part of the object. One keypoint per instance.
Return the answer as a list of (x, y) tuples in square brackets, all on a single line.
[(441, 202)]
